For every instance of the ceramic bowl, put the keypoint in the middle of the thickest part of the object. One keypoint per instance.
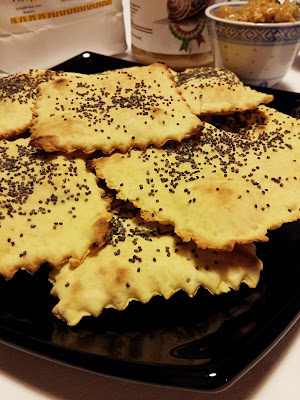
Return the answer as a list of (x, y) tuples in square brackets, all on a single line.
[(259, 54)]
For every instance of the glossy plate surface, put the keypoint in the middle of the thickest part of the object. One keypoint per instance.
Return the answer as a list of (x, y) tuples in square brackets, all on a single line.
[(203, 343)]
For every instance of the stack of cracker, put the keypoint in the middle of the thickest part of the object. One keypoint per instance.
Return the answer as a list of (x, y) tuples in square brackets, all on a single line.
[(141, 182)]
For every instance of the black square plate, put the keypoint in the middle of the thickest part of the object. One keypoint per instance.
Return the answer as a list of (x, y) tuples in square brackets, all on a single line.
[(204, 343)]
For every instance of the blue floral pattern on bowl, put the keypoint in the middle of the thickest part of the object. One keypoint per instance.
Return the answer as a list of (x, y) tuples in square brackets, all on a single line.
[(258, 35)]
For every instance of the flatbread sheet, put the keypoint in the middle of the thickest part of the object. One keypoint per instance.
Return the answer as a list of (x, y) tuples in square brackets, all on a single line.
[(142, 260), (51, 209), (211, 90), (218, 188), (115, 110)]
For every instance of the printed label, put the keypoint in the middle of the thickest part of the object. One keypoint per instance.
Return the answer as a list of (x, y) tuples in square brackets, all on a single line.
[(28, 17), (169, 26)]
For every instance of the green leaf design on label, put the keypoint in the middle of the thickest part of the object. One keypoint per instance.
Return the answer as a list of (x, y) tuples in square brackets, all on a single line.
[(187, 36)]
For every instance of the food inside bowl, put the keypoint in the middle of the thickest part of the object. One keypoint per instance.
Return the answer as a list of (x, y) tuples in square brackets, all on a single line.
[(261, 11)]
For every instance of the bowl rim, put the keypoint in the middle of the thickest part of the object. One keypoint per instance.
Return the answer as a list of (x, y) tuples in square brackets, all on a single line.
[(209, 13)]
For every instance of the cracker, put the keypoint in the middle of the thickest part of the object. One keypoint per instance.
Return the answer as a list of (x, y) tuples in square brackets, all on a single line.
[(217, 91), (120, 109), (17, 95), (51, 209), (142, 260), (217, 188)]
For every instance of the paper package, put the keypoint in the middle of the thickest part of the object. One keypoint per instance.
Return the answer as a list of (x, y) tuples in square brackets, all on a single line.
[(43, 33)]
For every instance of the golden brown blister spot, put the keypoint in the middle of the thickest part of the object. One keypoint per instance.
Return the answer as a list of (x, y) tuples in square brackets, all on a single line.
[(75, 289), (60, 82), (214, 192), (121, 276), (101, 231)]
